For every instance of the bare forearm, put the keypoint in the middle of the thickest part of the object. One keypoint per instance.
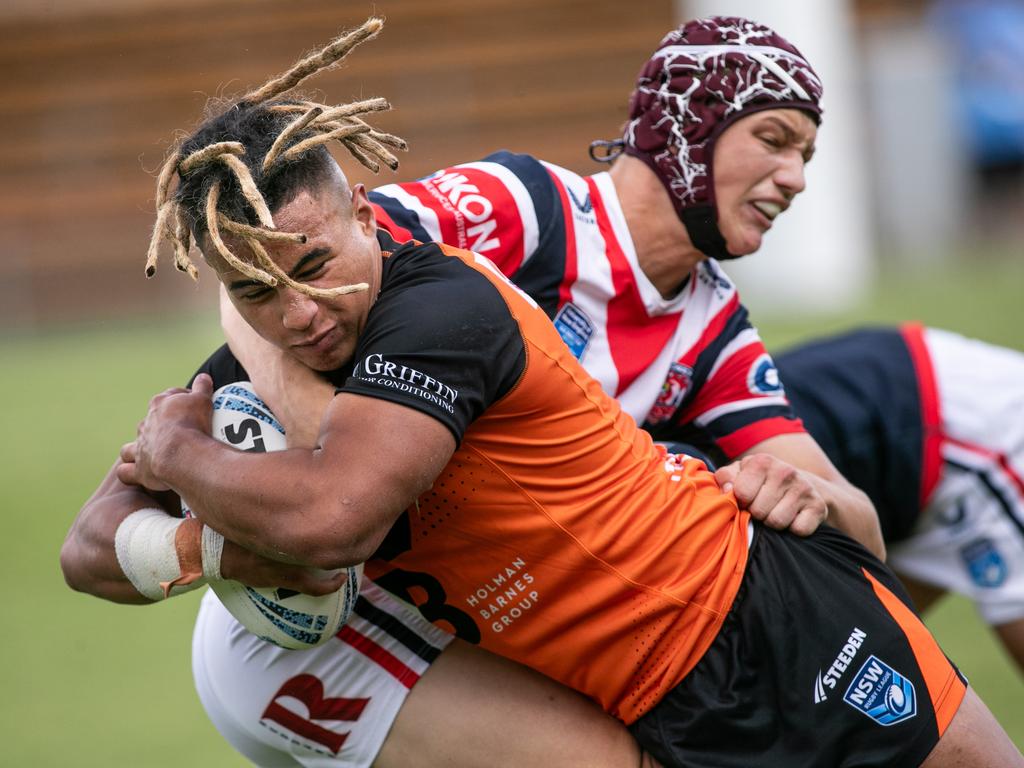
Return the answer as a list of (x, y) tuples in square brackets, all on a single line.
[(326, 508), (289, 506), (851, 511), (88, 558)]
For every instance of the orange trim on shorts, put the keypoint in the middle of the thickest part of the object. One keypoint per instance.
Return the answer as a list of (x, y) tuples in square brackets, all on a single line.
[(945, 688)]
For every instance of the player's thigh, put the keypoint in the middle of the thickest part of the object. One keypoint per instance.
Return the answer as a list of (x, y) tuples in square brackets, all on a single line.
[(974, 738), (473, 708), (329, 707)]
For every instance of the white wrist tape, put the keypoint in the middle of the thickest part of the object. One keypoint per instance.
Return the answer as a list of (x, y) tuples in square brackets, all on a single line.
[(145, 544), (213, 548)]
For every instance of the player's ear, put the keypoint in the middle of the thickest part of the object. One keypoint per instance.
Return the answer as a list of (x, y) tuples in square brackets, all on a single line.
[(362, 211)]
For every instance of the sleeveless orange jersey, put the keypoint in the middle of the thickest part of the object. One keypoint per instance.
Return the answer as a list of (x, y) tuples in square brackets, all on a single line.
[(572, 542)]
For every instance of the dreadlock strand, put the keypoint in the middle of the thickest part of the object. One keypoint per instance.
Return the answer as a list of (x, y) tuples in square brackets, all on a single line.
[(355, 108), (295, 108), (362, 156), (260, 233), (330, 293), (376, 149), (163, 182), (208, 153), (263, 258), (181, 239), (249, 189), (293, 128), (331, 54), (159, 232), (211, 225), (317, 293), (344, 133), (388, 139)]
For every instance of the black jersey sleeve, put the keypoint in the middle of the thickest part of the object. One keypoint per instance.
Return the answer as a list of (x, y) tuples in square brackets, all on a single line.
[(439, 338), (223, 368)]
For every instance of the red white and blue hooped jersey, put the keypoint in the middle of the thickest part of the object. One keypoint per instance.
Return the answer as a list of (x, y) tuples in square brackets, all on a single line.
[(929, 424), (689, 369)]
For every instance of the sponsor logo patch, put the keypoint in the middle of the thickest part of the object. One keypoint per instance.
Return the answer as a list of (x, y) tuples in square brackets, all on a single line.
[(377, 369), (673, 391), (575, 328), (763, 377), (839, 665), (584, 205), (987, 567), (882, 693)]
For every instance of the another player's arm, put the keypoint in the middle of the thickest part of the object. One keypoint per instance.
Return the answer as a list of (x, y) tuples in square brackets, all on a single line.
[(87, 557), (89, 562), (297, 395), (773, 477), (327, 508)]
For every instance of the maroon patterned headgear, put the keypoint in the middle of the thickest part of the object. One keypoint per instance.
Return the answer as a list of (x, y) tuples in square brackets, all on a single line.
[(703, 77)]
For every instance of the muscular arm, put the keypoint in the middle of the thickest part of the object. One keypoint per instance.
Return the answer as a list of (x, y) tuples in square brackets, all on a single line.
[(87, 557), (89, 562), (848, 508), (327, 508)]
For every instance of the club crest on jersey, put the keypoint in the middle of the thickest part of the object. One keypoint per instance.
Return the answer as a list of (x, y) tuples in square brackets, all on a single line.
[(575, 328), (987, 567), (673, 391), (763, 377), (882, 693)]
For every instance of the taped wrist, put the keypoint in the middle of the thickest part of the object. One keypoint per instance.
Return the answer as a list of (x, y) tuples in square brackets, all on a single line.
[(163, 556)]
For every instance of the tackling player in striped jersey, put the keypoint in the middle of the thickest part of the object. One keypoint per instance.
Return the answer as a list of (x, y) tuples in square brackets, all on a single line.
[(929, 424)]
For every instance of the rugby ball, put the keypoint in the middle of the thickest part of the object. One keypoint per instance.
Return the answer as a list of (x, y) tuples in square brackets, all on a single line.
[(281, 616)]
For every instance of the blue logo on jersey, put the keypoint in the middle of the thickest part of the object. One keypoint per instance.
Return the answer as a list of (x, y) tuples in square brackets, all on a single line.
[(882, 693), (708, 273), (575, 328), (584, 207), (986, 566), (763, 377)]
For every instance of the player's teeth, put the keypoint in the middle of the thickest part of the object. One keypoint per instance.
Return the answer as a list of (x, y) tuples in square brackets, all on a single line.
[(771, 210)]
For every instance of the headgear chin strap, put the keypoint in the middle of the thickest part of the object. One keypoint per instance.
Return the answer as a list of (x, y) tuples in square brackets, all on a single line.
[(703, 77)]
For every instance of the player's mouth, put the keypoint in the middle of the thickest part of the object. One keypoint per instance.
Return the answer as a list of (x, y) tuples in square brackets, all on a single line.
[(766, 211), (320, 342)]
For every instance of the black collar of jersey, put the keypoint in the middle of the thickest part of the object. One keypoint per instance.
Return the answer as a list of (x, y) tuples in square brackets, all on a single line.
[(386, 241)]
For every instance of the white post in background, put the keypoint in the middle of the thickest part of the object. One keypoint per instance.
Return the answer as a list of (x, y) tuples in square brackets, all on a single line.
[(818, 255)]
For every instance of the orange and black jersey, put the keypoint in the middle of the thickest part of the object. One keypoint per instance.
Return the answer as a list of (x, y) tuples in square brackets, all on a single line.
[(558, 535)]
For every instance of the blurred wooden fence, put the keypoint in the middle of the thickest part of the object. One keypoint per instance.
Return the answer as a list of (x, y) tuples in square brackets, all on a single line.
[(90, 103)]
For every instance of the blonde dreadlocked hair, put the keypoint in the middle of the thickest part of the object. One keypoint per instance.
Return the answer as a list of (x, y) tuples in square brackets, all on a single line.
[(242, 164)]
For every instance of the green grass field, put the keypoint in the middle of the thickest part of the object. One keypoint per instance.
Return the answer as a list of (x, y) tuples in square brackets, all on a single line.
[(91, 684)]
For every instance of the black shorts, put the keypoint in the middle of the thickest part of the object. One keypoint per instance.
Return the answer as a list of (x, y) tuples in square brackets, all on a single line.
[(820, 663)]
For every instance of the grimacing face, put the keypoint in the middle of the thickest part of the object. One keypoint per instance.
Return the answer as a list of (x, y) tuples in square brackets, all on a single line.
[(340, 249), (758, 169)]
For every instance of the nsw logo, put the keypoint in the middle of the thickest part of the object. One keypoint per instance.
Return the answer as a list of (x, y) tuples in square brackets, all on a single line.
[(882, 693), (763, 377), (987, 567), (575, 328)]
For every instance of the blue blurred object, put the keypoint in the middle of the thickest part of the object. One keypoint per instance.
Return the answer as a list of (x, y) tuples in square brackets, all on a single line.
[(987, 40)]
